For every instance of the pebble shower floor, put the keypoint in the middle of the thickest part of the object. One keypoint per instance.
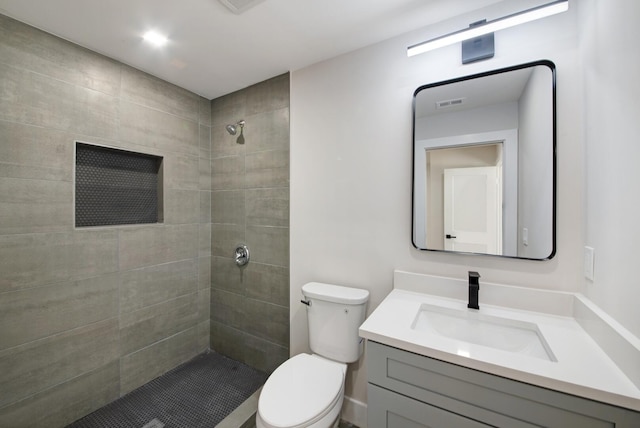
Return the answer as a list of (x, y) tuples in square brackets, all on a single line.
[(197, 394)]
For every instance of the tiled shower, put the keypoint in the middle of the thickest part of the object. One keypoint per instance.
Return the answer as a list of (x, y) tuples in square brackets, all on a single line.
[(89, 314)]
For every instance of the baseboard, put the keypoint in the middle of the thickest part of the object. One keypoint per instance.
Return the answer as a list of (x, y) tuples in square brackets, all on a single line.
[(354, 412)]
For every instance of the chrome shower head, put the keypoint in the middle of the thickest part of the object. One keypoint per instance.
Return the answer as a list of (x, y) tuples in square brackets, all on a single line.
[(233, 129)]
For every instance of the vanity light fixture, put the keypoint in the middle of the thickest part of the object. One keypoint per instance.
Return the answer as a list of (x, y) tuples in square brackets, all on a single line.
[(155, 38), (512, 20)]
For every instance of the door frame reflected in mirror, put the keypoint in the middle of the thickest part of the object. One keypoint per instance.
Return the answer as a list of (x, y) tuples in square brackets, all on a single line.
[(513, 243)]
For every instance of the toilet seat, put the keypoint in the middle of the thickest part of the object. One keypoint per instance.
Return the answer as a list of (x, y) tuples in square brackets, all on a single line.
[(303, 390)]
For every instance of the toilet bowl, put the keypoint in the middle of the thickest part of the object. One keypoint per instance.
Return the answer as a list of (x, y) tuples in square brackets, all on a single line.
[(307, 391)]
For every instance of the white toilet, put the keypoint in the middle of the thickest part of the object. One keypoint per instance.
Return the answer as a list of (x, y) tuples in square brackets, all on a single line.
[(308, 390)]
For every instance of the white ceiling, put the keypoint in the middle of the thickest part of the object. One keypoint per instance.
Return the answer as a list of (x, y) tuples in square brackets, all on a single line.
[(212, 51)]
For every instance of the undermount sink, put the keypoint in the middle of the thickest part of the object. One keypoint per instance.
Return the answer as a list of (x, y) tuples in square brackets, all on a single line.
[(506, 334)]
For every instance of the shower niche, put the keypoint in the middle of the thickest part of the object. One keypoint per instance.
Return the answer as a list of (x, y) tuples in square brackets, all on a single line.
[(116, 187)]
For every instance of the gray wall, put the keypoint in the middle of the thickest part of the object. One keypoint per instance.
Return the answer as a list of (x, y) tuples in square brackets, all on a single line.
[(250, 204), (88, 315)]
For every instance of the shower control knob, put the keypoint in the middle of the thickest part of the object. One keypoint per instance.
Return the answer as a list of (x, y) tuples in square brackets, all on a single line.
[(242, 255)]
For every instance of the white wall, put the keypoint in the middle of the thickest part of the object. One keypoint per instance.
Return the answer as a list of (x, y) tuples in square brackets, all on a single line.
[(351, 166), (609, 36)]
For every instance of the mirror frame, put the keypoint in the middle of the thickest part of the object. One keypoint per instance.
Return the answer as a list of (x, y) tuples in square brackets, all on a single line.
[(552, 68)]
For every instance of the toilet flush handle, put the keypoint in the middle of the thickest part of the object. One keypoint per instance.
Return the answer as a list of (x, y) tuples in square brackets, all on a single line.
[(306, 302)]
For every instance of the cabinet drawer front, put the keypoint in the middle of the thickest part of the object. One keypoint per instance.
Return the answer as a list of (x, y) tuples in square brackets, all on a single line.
[(492, 399), (391, 410)]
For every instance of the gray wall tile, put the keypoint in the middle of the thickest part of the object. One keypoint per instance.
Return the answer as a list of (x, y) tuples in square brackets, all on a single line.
[(151, 245), (181, 172), (227, 173), (264, 355), (153, 323), (228, 308), (28, 48), (204, 166), (33, 152), (65, 403), (205, 142), (147, 364), (157, 129), (156, 284), (205, 206), (204, 240), (223, 144), (227, 206), (270, 245), (268, 283), (267, 169), (204, 107), (228, 341), (228, 109), (181, 206), (36, 259), (204, 339), (36, 366), (267, 321), (204, 305), (36, 99), (225, 275), (225, 238), (268, 207), (35, 313), (204, 272), (272, 94), (141, 88), (267, 131)]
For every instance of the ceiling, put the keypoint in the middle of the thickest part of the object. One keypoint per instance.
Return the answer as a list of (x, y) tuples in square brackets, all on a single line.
[(212, 51)]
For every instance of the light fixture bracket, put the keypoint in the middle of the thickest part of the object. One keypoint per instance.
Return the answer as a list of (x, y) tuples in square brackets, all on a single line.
[(479, 48)]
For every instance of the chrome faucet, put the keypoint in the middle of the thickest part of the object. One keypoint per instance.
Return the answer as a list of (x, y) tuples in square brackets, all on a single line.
[(474, 289)]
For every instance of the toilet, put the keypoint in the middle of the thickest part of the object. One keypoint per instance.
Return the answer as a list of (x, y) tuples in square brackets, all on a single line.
[(308, 390)]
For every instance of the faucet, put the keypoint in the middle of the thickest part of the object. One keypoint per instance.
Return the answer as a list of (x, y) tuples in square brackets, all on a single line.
[(474, 288)]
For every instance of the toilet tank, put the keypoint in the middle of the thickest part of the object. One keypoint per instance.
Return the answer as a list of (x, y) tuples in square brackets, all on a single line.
[(334, 314)]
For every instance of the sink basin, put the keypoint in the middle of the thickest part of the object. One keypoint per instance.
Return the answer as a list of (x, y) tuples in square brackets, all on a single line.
[(506, 334)]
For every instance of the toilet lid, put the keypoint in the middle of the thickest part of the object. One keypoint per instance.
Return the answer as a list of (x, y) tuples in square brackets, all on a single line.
[(301, 389)]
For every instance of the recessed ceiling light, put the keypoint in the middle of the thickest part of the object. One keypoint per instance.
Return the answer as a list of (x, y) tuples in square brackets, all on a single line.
[(155, 38)]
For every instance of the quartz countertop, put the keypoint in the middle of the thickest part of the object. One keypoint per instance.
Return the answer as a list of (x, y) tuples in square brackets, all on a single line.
[(582, 367)]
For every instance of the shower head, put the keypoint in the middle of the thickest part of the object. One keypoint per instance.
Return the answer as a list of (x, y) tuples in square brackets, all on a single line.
[(233, 129)]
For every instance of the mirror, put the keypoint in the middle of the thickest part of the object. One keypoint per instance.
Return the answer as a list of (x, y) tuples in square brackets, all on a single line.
[(484, 163)]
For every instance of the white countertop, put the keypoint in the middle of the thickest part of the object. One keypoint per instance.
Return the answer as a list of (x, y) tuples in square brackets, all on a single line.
[(582, 367)]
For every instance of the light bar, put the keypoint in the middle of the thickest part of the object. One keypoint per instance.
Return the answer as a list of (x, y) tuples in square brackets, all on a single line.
[(518, 18)]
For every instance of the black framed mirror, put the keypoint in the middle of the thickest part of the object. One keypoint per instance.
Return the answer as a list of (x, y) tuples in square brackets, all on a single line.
[(484, 163)]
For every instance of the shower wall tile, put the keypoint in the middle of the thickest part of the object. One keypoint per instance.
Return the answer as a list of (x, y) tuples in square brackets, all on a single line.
[(223, 144), (68, 296), (35, 205), (36, 153), (35, 99), (141, 88), (28, 48), (267, 169), (270, 245), (151, 245), (181, 172), (268, 207), (156, 284), (263, 354), (267, 321), (204, 240), (205, 141), (36, 366), (225, 238), (34, 313), (225, 275), (269, 130), (205, 206), (272, 94), (65, 403), (228, 308), (228, 109), (181, 206), (227, 173), (30, 260), (228, 341), (157, 129), (204, 166), (142, 366), (204, 111), (268, 283), (204, 272), (227, 206), (146, 326)]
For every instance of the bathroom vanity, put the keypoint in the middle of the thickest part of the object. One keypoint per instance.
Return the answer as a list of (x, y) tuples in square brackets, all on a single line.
[(433, 362)]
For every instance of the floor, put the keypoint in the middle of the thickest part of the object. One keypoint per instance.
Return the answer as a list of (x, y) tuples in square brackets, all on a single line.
[(200, 393)]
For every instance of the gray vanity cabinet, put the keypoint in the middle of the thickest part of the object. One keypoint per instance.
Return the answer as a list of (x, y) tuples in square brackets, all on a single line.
[(410, 390)]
